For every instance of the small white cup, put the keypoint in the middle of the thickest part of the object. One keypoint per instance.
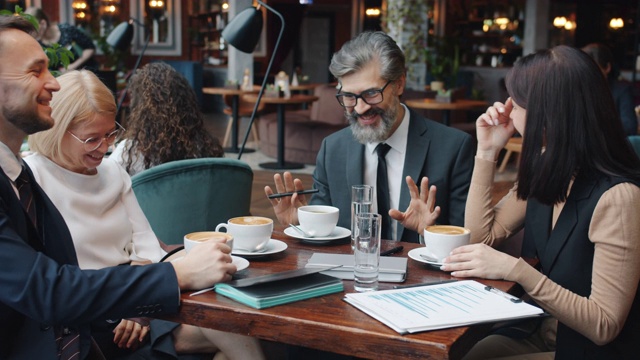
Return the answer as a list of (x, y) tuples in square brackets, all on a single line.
[(198, 237), (318, 220), (250, 233), (440, 240)]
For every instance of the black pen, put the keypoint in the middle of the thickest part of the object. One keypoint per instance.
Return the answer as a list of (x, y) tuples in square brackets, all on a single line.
[(301, 192), (513, 299), (425, 284), (392, 251)]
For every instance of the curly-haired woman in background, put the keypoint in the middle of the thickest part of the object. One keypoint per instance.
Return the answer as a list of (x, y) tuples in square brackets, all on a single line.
[(165, 123)]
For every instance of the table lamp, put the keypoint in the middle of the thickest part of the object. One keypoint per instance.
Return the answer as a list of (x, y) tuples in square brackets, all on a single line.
[(243, 33), (120, 39)]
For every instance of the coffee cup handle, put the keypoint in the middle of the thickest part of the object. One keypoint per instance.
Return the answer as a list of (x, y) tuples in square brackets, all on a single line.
[(220, 226)]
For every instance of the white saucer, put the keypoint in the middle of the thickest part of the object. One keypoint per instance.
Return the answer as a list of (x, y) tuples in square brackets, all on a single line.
[(239, 262), (273, 247), (415, 255), (337, 234)]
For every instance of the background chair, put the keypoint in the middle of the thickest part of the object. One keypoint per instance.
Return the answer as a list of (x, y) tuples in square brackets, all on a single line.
[(514, 145), (245, 109), (304, 129), (184, 196)]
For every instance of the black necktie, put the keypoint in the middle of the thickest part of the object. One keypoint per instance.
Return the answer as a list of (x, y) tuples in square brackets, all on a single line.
[(26, 194), (382, 189)]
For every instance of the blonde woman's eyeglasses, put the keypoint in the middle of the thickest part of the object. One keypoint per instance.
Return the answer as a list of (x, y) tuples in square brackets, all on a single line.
[(93, 143)]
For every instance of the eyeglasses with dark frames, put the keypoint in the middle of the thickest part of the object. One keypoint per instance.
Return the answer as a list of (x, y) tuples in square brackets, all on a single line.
[(93, 143), (371, 96)]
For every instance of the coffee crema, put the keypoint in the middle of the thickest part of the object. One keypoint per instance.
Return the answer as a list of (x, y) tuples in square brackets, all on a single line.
[(208, 235), (447, 229), (250, 220)]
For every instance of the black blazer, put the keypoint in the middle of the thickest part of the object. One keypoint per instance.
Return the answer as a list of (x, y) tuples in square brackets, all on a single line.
[(43, 288)]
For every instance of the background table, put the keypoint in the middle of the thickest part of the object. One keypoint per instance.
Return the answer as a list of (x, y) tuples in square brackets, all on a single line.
[(281, 103), (235, 119), (328, 323), (431, 104)]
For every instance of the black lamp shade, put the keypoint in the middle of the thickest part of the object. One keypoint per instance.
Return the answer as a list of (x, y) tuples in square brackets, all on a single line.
[(121, 36), (243, 32)]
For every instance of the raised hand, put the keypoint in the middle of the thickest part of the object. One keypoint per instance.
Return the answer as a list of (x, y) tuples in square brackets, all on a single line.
[(422, 210), (286, 208), (493, 129)]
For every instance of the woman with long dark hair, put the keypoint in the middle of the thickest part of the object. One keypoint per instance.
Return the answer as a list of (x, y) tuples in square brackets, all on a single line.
[(577, 197)]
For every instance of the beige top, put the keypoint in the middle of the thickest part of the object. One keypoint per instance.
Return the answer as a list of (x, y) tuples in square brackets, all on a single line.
[(615, 232)]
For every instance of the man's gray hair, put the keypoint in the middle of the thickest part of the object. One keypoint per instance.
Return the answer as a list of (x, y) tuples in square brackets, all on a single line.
[(364, 48)]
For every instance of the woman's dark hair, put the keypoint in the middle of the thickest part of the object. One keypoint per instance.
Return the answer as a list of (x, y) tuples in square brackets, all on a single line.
[(165, 123), (571, 126)]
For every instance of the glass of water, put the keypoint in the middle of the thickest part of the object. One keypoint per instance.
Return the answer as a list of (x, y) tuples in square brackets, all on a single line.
[(361, 199), (367, 251)]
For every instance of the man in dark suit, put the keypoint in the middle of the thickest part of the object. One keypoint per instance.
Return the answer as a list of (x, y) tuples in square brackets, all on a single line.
[(371, 73), (44, 293)]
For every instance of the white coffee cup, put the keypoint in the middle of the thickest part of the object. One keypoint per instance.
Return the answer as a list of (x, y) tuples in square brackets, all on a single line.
[(440, 240), (250, 233), (318, 220), (198, 237)]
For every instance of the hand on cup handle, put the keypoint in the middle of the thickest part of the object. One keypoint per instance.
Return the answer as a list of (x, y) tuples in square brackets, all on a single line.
[(204, 268)]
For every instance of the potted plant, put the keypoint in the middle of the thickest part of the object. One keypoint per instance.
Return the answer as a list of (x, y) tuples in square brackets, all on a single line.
[(443, 61)]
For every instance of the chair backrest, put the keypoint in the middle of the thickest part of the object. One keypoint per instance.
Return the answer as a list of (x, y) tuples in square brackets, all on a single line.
[(184, 196), (635, 143), (245, 107), (327, 109)]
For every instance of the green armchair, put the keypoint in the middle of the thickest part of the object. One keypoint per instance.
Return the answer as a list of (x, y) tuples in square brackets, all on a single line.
[(184, 196)]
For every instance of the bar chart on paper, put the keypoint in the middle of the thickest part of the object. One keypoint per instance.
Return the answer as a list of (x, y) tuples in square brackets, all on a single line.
[(441, 306)]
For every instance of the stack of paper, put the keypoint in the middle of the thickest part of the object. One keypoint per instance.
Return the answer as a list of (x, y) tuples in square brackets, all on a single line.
[(392, 269), (270, 290), (442, 306)]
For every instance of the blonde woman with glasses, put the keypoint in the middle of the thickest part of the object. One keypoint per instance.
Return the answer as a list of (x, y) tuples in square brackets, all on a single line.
[(108, 228)]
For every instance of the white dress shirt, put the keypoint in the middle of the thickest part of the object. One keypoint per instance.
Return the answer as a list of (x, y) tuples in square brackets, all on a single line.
[(395, 164)]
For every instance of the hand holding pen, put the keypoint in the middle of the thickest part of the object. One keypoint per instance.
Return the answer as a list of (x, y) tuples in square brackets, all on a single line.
[(287, 197), (301, 192)]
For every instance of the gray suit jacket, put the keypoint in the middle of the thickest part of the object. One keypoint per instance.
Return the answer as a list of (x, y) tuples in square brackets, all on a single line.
[(443, 154)]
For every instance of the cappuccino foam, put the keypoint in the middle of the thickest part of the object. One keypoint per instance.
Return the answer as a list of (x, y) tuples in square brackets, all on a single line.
[(250, 220)]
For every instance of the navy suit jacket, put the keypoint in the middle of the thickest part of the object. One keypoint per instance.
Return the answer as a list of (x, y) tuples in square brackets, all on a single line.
[(43, 288), (443, 154)]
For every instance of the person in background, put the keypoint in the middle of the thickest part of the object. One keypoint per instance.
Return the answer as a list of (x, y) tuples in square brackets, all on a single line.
[(622, 91), (576, 196), (371, 73), (164, 123), (68, 36), (106, 223), (47, 302)]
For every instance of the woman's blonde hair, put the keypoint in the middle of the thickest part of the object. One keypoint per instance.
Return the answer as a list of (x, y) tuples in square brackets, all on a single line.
[(81, 97)]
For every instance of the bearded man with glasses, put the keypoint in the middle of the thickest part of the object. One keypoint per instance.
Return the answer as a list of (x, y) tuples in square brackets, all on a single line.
[(370, 70)]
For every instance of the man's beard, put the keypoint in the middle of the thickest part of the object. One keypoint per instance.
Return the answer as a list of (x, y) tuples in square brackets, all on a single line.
[(28, 121), (373, 134)]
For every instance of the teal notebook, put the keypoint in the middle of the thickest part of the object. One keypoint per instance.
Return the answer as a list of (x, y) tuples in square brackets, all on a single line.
[(281, 288)]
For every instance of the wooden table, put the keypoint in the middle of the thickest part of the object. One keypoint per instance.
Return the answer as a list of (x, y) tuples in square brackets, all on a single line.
[(328, 323), (235, 118), (431, 104), (281, 103)]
